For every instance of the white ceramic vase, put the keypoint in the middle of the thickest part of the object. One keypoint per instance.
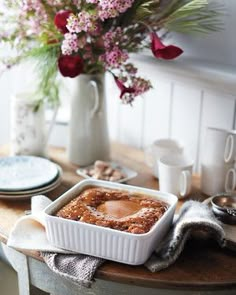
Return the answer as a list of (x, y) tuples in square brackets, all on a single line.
[(28, 131), (88, 130)]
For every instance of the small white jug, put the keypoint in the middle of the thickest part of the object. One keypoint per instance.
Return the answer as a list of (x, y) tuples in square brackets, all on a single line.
[(28, 132)]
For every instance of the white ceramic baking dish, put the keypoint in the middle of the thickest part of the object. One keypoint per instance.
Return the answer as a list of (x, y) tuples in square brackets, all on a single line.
[(104, 242)]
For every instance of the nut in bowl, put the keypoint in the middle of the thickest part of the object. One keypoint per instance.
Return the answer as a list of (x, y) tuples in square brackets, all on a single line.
[(109, 171), (89, 219)]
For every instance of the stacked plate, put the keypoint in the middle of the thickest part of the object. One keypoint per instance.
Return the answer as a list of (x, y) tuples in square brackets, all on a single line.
[(24, 176)]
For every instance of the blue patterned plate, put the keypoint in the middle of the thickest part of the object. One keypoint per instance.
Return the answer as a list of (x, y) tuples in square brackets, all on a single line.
[(25, 172)]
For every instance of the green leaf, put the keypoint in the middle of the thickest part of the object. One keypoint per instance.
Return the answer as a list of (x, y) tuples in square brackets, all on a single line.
[(195, 16), (46, 69)]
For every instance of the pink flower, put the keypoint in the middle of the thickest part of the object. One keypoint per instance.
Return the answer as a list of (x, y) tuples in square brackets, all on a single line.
[(60, 20), (84, 21), (161, 51), (114, 58), (112, 8), (123, 88), (70, 65), (70, 44)]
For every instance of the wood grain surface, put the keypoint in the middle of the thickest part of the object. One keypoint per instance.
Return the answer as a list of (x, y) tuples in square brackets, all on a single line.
[(203, 265)]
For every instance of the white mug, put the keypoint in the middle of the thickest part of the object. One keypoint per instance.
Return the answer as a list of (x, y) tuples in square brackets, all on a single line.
[(160, 148), (175, 174), (215, 147), (216, 159), (230, 147), (230, 180), (213, 178)]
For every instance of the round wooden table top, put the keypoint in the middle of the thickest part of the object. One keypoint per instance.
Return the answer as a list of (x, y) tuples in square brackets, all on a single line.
[(203, 265)]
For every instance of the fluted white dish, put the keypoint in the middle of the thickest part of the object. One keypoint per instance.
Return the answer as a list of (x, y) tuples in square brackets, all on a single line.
[(104, 242)]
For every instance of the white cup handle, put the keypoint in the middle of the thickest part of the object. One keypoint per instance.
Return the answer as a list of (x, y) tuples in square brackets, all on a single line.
[(149, 157), (185, 183), (229, 149), (230, 180)]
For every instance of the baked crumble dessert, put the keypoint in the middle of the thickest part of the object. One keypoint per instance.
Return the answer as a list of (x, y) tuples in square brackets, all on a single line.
[(120, 210)]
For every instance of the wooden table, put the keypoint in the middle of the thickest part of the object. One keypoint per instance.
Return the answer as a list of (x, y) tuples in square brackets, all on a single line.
[(203, 268)]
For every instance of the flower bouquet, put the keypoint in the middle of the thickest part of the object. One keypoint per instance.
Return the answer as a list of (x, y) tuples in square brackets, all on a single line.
[(94, 36)]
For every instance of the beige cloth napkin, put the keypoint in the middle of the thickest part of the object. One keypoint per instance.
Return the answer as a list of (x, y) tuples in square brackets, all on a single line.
[(29, 232)]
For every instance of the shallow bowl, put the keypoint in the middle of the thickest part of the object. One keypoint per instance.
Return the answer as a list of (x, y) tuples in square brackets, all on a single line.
[(224, 207)]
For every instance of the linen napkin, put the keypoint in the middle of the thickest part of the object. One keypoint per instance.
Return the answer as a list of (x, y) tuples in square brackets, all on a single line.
[(29, 233)]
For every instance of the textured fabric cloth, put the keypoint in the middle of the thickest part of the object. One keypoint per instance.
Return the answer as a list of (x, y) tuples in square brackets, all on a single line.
[(194, 216), (76, 267)]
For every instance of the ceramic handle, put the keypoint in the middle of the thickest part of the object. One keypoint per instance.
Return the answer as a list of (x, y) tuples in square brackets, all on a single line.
[(230, 180), (229, 149), (96, 105), (185, 183)]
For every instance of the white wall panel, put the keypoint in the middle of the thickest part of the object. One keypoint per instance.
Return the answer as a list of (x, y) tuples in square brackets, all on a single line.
[(113, 102), (157, 112), (185, 116), (131, 123), (217, 112), (59, 136)]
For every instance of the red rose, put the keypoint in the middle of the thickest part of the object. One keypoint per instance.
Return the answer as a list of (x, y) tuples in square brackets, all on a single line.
[(60, 20), (70, 65), (161, 51)]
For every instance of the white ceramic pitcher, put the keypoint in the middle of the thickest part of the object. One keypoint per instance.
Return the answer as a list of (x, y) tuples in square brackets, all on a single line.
[(88, 131)]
